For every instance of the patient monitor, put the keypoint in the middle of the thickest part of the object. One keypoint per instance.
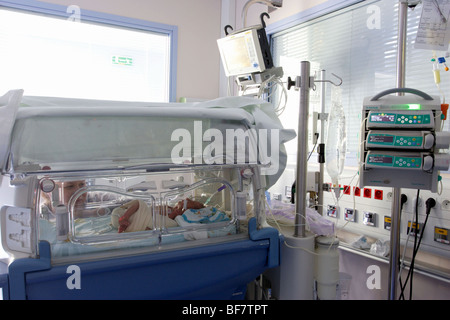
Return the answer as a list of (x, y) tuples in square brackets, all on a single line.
[(245, 52), (246, 55)]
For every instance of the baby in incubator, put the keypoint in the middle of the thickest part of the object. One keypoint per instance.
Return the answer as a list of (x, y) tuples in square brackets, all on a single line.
[(134, 215), (137, 216)]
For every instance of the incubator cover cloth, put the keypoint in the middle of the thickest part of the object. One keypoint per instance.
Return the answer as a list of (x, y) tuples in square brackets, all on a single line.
[(69, 133), (9, 104)]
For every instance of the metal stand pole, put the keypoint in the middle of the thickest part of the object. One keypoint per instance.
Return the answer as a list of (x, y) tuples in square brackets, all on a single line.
[(395, 244), (302, 150), (396, 199), (322, 139)]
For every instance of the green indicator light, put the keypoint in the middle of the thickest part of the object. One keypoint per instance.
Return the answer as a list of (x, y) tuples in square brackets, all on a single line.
[(414, 106), (406, 106)]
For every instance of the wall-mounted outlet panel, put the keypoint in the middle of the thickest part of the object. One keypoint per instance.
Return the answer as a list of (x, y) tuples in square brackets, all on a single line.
[(350, 215), (332, 211)]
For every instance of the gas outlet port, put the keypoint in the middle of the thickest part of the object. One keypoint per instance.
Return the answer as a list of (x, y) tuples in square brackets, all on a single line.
[(369, 218), (350, 214), (332, 211)]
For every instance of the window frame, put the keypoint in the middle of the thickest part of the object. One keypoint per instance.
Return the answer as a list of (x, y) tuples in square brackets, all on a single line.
[(33, 6)]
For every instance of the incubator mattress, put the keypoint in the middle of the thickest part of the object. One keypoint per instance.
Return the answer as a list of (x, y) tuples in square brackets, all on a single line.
[(96, 226)]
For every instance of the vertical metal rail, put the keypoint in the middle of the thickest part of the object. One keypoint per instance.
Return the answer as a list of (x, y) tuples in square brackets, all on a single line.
[(401, 42), (302, 150), (396, 199), (322, 139)]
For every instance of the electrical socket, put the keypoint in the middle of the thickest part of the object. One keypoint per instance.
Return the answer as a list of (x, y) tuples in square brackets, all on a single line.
[(347, 190), (389, 196), (420, 203), (410, 204), (445, 205), (378, 194)]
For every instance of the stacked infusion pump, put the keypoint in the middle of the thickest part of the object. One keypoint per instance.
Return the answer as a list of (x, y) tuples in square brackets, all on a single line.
[(400, 140)]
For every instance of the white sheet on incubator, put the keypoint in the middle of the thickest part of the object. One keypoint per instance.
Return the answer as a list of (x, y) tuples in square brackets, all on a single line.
[(433, 32)]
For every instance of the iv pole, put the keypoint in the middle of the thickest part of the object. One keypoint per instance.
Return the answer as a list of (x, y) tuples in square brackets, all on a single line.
[(300, 260), (305, 82), (396, 199), (322, 142)]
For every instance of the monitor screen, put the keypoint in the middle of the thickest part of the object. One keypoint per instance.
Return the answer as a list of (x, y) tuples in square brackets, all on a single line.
[(241, 53)]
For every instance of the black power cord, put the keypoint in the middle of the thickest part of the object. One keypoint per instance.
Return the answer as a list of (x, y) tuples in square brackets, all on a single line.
[(403, 200), (429, 204)]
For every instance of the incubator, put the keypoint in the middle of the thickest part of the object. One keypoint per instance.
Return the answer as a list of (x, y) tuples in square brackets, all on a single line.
[(136, 194)]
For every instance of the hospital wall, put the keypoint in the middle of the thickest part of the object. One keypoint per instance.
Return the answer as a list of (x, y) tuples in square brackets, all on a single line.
[(198, 23)]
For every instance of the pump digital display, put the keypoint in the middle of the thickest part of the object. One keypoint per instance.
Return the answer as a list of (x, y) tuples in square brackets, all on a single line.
[(381, 139), (381, 159), (382, 117)]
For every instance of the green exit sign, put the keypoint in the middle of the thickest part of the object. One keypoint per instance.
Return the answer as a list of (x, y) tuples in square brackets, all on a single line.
[(124, 61)]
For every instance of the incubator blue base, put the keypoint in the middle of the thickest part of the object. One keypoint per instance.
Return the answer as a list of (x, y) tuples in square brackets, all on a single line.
[(219, 271)]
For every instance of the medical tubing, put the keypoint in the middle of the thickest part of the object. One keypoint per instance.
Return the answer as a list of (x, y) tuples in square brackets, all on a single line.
[(218, 190)]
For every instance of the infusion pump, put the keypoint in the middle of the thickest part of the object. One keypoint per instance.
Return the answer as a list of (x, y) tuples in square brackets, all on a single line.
[(401, 140)]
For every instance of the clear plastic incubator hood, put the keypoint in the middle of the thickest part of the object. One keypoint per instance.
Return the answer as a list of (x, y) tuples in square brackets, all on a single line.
[(164, 201)]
